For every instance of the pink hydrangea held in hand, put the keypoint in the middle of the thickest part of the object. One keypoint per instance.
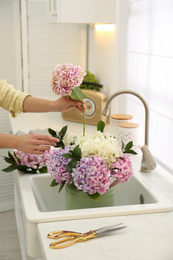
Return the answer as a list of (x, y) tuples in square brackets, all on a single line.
[(66, 81), (66, 77)]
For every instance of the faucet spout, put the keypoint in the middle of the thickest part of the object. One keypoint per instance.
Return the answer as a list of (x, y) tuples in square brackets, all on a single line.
[(127, 91), (146, 166)]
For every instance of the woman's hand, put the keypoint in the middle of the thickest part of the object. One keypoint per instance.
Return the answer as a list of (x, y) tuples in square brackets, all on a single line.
[(34, 143), (64, 104)]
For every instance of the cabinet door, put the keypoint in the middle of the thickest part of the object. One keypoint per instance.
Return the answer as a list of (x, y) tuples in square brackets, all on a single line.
[(6, 179), (81, 11), (10, 43), (10, 70)]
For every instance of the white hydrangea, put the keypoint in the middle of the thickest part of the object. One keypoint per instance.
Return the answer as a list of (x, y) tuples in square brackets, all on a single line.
[(68, 139), (100, 144)]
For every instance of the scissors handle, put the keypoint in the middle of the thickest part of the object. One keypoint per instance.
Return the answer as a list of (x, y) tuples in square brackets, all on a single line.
[(59, 234), (72, 238)]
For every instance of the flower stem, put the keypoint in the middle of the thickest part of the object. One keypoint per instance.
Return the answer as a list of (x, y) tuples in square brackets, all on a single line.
[(84, 120)]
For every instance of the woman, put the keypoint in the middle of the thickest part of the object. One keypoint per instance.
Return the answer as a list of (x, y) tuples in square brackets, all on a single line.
[(16, 102)]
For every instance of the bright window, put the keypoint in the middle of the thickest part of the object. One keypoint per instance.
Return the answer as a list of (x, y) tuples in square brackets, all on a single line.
[(148, 70)]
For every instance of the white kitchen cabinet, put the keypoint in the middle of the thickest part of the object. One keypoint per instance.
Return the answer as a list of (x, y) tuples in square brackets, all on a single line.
[(6, 178), (81, 11), (10, 70)]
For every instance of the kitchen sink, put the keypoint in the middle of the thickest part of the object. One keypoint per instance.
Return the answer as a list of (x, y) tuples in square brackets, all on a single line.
[(37, 202), (133, 192)]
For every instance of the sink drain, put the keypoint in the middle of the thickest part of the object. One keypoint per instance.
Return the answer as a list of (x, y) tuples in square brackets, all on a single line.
[(141, 198)]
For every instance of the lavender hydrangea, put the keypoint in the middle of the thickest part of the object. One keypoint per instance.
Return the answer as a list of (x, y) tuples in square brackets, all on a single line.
[(57, 166), (122, 169), (35, 161), (91, 175), (66, 77)]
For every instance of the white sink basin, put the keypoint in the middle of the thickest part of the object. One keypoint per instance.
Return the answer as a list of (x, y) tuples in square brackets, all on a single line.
[(133, 197), (36, 202), (130, 193)]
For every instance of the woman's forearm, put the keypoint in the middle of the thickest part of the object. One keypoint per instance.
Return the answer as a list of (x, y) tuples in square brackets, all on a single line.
[(32, 104), (7, 141)]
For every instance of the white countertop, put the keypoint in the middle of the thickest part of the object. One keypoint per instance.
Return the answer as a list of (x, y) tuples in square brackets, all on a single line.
[(147, 237)]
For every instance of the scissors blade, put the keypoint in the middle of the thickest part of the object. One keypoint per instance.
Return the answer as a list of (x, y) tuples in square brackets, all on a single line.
[(110, 228)]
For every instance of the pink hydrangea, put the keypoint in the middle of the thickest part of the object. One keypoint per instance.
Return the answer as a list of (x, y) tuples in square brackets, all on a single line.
[(122, 169), (57, 166), (35, 161), (92, 175), (66, 77)]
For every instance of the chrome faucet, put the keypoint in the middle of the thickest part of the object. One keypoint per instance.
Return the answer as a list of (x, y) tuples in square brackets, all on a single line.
[(148, 163)]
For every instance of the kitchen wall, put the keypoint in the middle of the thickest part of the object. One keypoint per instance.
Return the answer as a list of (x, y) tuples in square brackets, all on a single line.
[(106, 55), (103, 55), (102, 60)]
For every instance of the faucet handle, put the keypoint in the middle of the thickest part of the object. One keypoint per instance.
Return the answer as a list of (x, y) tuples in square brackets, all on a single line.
[(148, 162)]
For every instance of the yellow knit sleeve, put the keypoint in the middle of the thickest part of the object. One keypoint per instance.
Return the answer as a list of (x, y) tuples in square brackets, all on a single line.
[(11, 99)]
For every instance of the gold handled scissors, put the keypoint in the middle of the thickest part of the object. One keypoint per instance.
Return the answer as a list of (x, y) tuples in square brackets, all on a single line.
[(67, 238)]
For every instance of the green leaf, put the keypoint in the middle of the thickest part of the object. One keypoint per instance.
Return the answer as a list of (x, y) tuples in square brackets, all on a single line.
[(23, 168), (130, 151), (17, 158), (67, 155), (122, 145), (60, 144), (60, 136), (77, 94), (11, 156), (100, 126), (77, 152), (94, 196), (61, 187), (8, 160), (72, 164), (26, 169), (54, 183), (62, 132), (129, 145), (43, 170), (52, 132), (69, 167), (10, 168)]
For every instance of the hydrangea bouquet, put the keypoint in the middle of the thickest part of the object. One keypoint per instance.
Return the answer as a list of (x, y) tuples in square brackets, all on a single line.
[(28, 163), (92, 163)]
